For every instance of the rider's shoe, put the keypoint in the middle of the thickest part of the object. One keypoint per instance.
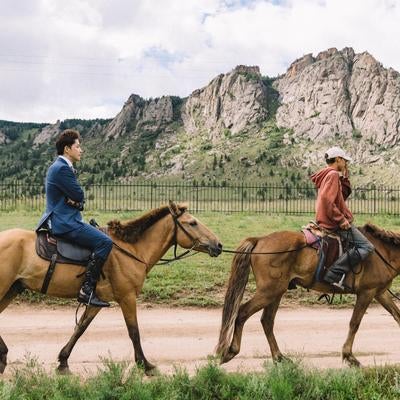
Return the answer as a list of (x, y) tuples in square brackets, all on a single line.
[(90, 299), (87, 294)]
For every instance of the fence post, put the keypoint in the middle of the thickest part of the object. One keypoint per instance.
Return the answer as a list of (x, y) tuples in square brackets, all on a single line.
[(15, 194), (241, 206), (287, 199), (197, 198), (151, 195), (105, 197)]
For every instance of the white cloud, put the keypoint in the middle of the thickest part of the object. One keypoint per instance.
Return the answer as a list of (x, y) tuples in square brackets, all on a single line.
[(83, 58)]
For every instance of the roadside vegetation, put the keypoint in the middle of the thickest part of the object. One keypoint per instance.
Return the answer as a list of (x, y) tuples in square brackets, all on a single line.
[(199, 281), (285, 381)]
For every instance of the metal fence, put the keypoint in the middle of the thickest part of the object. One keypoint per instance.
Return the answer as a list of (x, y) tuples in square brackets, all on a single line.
[(228, 198)]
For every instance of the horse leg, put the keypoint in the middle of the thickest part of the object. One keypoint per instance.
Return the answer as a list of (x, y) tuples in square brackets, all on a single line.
[(80, 328), (246, 310), (128, 307), (363, 301), (267, 321), (14, 290), (389, 305)]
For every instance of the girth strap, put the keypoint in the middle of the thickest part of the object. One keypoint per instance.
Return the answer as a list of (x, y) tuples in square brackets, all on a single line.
[(49, 274)]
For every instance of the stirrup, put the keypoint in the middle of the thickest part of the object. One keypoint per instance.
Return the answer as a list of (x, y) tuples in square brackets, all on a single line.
[(91, 300), (340, 285)]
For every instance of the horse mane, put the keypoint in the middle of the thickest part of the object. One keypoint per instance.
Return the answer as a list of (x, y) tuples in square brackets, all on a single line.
[(382, 234), (130, 231)]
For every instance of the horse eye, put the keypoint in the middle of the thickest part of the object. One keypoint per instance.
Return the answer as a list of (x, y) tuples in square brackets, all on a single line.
[(193, 223)]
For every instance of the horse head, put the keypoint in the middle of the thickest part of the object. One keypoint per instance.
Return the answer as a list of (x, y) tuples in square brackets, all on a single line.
[(190, 233)]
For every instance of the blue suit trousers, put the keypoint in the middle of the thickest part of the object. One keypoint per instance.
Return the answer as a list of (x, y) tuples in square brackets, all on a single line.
[(90, 237)]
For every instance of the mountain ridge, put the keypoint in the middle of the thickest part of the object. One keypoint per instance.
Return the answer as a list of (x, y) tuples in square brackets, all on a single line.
[(243, 124)]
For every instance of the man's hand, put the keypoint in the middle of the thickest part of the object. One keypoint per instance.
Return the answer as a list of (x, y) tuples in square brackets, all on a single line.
[(346, 171), (75, 204), (345, 225)]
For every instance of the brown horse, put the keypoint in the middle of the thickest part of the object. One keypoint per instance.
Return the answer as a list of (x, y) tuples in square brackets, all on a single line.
[(273, 272), (147, 238)]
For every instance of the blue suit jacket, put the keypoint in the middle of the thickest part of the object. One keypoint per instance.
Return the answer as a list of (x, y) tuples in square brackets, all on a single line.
[(61, 182)]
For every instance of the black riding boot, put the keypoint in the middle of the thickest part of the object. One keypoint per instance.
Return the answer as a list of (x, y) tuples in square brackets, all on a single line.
[(87, 294), (337, 272)]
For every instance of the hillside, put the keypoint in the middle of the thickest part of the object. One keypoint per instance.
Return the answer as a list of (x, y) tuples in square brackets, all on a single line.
[(242, 125)]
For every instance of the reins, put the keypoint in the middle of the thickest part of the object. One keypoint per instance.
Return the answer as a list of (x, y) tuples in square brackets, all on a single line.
[(128, 253), (385, 261)]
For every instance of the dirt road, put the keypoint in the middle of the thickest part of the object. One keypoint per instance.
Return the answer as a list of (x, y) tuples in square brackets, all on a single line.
[(185, 337)]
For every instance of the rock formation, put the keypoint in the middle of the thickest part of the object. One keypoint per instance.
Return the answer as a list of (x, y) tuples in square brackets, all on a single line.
[(340, 93), (337, 94), (47, 133), (232, 101), (137, 113), (3, 138)]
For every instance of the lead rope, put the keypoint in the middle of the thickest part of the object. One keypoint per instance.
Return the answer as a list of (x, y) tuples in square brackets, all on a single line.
[(271, 252)]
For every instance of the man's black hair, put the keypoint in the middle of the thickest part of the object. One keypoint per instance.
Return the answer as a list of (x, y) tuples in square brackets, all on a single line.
[(67, 138), (329, 161)]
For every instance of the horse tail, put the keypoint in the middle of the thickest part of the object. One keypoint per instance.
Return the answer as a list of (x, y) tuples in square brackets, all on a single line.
[(234, 294)]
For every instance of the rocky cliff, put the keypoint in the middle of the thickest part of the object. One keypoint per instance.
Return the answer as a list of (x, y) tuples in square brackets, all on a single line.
[(138, 114), (340, 94), (47, 134), (233, 101), (336, 95), (3, 138)]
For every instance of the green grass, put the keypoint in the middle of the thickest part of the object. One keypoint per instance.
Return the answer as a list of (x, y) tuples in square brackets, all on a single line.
[(285, 381), (200, 280)]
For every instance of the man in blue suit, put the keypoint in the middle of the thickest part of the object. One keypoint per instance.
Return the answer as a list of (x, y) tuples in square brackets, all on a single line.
[(64, 203)]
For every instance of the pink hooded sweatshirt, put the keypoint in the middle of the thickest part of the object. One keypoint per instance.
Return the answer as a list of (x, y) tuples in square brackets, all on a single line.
[(333, 190)]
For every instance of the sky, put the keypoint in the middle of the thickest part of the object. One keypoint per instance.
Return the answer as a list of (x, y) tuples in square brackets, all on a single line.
[(84, 58)]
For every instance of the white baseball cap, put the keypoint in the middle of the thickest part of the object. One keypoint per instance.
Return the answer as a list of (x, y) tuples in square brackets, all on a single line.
[(335, 151)]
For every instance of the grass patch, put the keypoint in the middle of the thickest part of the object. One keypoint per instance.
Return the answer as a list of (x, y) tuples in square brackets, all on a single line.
[(200, 280), (284, 381)]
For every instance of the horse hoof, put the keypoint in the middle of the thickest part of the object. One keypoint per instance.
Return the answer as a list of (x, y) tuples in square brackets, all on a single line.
[(281, 359), (63, 370), (227, 357), (150, 370), (2, 367), (3, 363), (351, 361)]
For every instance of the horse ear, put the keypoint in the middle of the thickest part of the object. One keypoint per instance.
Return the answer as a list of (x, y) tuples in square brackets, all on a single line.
[(173, 208)]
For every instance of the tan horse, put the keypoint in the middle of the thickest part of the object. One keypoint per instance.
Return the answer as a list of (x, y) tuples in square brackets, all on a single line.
[(273, 272), (147, 238)]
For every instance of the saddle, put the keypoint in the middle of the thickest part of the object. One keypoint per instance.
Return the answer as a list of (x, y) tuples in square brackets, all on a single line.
[(329, 246), (57, 250), (48, 247)]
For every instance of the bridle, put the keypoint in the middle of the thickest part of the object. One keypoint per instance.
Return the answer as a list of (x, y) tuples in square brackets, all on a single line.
[(164, 261), (177, 225)]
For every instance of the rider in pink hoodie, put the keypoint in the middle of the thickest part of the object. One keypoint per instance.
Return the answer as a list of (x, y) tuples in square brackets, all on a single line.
[(333, 214), (333, 190)]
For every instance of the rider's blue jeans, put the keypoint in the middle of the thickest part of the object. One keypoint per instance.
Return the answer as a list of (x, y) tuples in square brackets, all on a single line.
[(360, 248)]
